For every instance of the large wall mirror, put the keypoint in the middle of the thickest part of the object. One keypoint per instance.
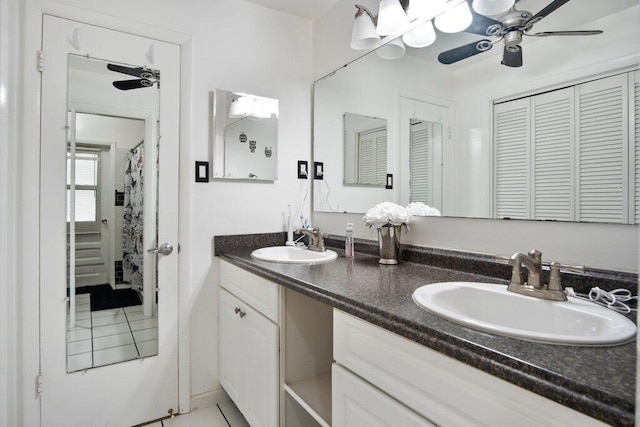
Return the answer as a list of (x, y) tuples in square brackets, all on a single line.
[(111, 212), (480, 139), (245, 136)]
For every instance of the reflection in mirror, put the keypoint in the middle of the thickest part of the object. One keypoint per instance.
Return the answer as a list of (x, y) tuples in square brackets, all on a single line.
[(425, 171), (546, 164), (365, 150), (245, 136), (111, 211)]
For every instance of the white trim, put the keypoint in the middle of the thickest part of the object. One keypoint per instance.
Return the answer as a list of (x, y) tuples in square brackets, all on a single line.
[(60, 10), (209, 398)]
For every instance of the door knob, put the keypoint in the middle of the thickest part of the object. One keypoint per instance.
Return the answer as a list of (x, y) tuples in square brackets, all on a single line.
[(163, 249)]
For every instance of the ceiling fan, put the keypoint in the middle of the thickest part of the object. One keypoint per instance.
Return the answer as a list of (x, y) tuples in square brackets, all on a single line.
[(146, 77), (510, 28)]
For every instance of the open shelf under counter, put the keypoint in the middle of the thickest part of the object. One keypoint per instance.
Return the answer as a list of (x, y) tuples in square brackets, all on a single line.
[(314, 395)]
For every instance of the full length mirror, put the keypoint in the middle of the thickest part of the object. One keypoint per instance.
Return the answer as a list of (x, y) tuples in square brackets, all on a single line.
[(111, 212), (509, 142), (245, 136)]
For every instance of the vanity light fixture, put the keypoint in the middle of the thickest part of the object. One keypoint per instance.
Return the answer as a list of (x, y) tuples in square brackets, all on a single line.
[(396, 16), (243, 105), (492, 7), (421, 36), (392, 18), (364, 35), (454, 20), (393, 50)]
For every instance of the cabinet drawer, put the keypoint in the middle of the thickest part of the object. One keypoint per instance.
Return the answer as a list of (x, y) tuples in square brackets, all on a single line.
[(441, 389), (357, 403), (259, 293)]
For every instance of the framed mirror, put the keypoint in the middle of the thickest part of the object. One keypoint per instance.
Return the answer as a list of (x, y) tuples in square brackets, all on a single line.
[(467, 167), (245, 136), (111, 211)]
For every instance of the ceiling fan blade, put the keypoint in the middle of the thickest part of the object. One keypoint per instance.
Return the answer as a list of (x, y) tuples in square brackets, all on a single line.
[(130, 84), (136, 72), (551, 7), (512, 59), (465, 51), (567, 33), (483, 25)]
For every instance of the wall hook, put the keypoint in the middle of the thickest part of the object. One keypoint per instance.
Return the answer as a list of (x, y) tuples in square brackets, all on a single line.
[(150, 54), (75, 39)]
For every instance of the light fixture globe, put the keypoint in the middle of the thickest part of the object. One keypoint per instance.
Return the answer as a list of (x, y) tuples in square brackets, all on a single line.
[(419, 9), (492, 7), (391, 18), (454, 20), (421, 36), (393, 50), (364, 34)]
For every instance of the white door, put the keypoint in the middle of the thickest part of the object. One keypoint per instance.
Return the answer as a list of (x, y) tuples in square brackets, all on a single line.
[(142, 389), (424, 136)]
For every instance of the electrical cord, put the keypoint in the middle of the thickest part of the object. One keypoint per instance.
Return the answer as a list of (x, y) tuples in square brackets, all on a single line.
[(616, 300)]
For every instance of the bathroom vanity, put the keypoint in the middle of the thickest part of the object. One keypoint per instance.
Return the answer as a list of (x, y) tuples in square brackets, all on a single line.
[(343, 343)]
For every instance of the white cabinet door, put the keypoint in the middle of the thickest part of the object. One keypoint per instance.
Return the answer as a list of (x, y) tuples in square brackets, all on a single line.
[(249, 355), (232, 355), (357, 403)]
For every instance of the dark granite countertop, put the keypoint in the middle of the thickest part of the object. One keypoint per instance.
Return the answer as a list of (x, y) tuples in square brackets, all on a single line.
[(597, 381)]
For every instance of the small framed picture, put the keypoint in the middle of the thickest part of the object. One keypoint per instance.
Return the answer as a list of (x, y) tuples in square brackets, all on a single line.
[(202, 171)]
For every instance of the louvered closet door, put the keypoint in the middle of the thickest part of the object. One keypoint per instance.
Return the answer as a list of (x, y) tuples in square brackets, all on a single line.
[(511, 142), (372, 156), (602, 161), (552, 145), (420, 158)]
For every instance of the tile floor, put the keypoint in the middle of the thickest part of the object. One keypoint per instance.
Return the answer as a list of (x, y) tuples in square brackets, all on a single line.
[(109, 336), (222, 415)]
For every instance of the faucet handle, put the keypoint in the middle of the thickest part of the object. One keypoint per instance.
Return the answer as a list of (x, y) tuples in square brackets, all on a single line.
[(555, 281)]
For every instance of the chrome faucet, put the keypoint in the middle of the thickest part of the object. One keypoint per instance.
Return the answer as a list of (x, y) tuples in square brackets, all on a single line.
[(316, 238), (534, 285)]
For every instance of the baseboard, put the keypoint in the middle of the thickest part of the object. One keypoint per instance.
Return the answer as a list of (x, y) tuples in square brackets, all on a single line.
[(210, 398)]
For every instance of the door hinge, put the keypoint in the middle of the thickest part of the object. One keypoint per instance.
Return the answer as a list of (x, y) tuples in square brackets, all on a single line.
[(41, 61), (39, 385)]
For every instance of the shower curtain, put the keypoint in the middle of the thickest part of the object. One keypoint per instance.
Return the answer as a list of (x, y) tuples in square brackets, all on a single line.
[(133, 230)]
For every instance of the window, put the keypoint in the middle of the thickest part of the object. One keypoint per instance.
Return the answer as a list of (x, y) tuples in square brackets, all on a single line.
[(87, 182)]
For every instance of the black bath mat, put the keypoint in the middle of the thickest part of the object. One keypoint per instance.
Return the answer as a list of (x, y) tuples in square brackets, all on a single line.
[(105, 298)]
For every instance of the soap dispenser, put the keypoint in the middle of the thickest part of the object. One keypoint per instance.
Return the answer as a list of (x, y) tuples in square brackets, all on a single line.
[(348, 241)]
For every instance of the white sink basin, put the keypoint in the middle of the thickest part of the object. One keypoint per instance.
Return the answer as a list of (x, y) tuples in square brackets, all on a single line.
[(491, 308), (293, 255)]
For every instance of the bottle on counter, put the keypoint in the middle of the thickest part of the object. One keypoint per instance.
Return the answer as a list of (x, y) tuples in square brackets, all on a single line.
[(348, 241)]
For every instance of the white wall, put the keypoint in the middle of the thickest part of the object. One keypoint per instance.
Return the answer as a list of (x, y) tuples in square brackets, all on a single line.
[(606, 246)]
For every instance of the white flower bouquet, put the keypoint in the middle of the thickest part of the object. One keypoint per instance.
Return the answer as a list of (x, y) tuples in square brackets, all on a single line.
[(387, 213), (420, 209)]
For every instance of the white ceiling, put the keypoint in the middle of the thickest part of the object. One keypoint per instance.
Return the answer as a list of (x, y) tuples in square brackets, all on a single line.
[(308, 9)]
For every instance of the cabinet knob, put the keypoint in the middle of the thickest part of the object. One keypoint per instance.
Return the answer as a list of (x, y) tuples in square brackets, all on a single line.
[(240, 312)]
